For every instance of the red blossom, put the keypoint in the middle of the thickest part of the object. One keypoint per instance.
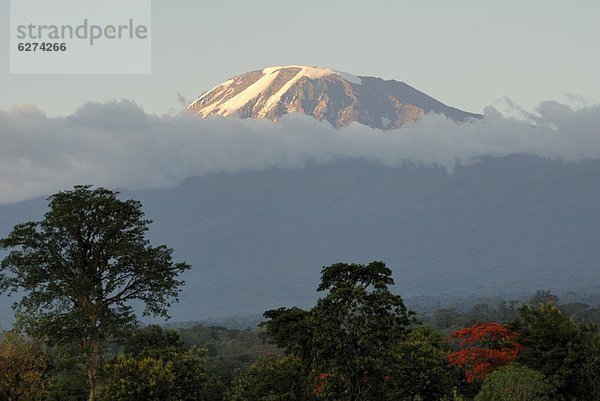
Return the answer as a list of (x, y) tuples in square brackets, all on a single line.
[(484, 348), (321, 382)]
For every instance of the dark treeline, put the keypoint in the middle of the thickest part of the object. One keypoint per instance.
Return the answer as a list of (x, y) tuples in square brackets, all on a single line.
[(77, 337), (464, 314), (199, 362)]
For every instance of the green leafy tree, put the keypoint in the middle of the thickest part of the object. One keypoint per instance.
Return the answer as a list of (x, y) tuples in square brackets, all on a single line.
[(22, 369), (514, 383), (188, 366), (131, 379), (80, 268), (291, 329), (273, 378), (345, 341), (565, 352), (355, 326), (421, 369)]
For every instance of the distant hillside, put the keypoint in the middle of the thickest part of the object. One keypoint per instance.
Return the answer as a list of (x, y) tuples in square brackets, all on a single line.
[(258, 240)]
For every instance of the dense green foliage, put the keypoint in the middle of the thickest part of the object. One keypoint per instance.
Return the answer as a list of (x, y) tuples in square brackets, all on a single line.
[(421, 367), (146, 379), (344, 342), (22, 366), (566, 352), (272, 378), (559, 361), (66, 374), (81, 266), (514, 383)]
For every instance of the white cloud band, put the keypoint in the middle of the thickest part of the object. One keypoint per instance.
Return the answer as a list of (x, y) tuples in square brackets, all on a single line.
[(117, 144)]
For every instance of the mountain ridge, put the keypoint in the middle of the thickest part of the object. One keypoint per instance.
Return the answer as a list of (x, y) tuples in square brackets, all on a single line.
[(257, 240), (323, 93)]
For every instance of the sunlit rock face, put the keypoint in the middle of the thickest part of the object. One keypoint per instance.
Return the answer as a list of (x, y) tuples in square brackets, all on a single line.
[(324, 94)]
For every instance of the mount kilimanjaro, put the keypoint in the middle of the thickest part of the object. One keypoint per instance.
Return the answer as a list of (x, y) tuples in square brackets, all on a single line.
[(324, 94)]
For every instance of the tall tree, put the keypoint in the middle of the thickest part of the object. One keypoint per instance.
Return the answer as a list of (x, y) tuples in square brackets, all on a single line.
[(82, 266), (359, 320), (347, 339)]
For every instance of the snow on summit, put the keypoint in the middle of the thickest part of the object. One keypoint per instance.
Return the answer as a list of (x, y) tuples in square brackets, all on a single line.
[(322, 93), (311, 72), (257, 89)]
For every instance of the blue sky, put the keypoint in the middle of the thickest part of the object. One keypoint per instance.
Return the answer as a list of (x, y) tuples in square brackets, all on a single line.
[(464, 53)]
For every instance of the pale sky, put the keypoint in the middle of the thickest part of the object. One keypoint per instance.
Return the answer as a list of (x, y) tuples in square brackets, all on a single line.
[(465, 53)]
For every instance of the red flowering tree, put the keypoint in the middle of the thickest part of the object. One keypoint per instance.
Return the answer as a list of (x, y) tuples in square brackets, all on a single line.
[(483, 348)]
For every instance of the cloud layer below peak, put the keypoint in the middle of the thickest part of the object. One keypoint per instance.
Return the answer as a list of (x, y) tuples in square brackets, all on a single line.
[(118, 145)]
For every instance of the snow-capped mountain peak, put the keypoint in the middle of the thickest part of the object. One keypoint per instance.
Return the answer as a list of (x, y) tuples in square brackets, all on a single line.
[(323, 93)]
